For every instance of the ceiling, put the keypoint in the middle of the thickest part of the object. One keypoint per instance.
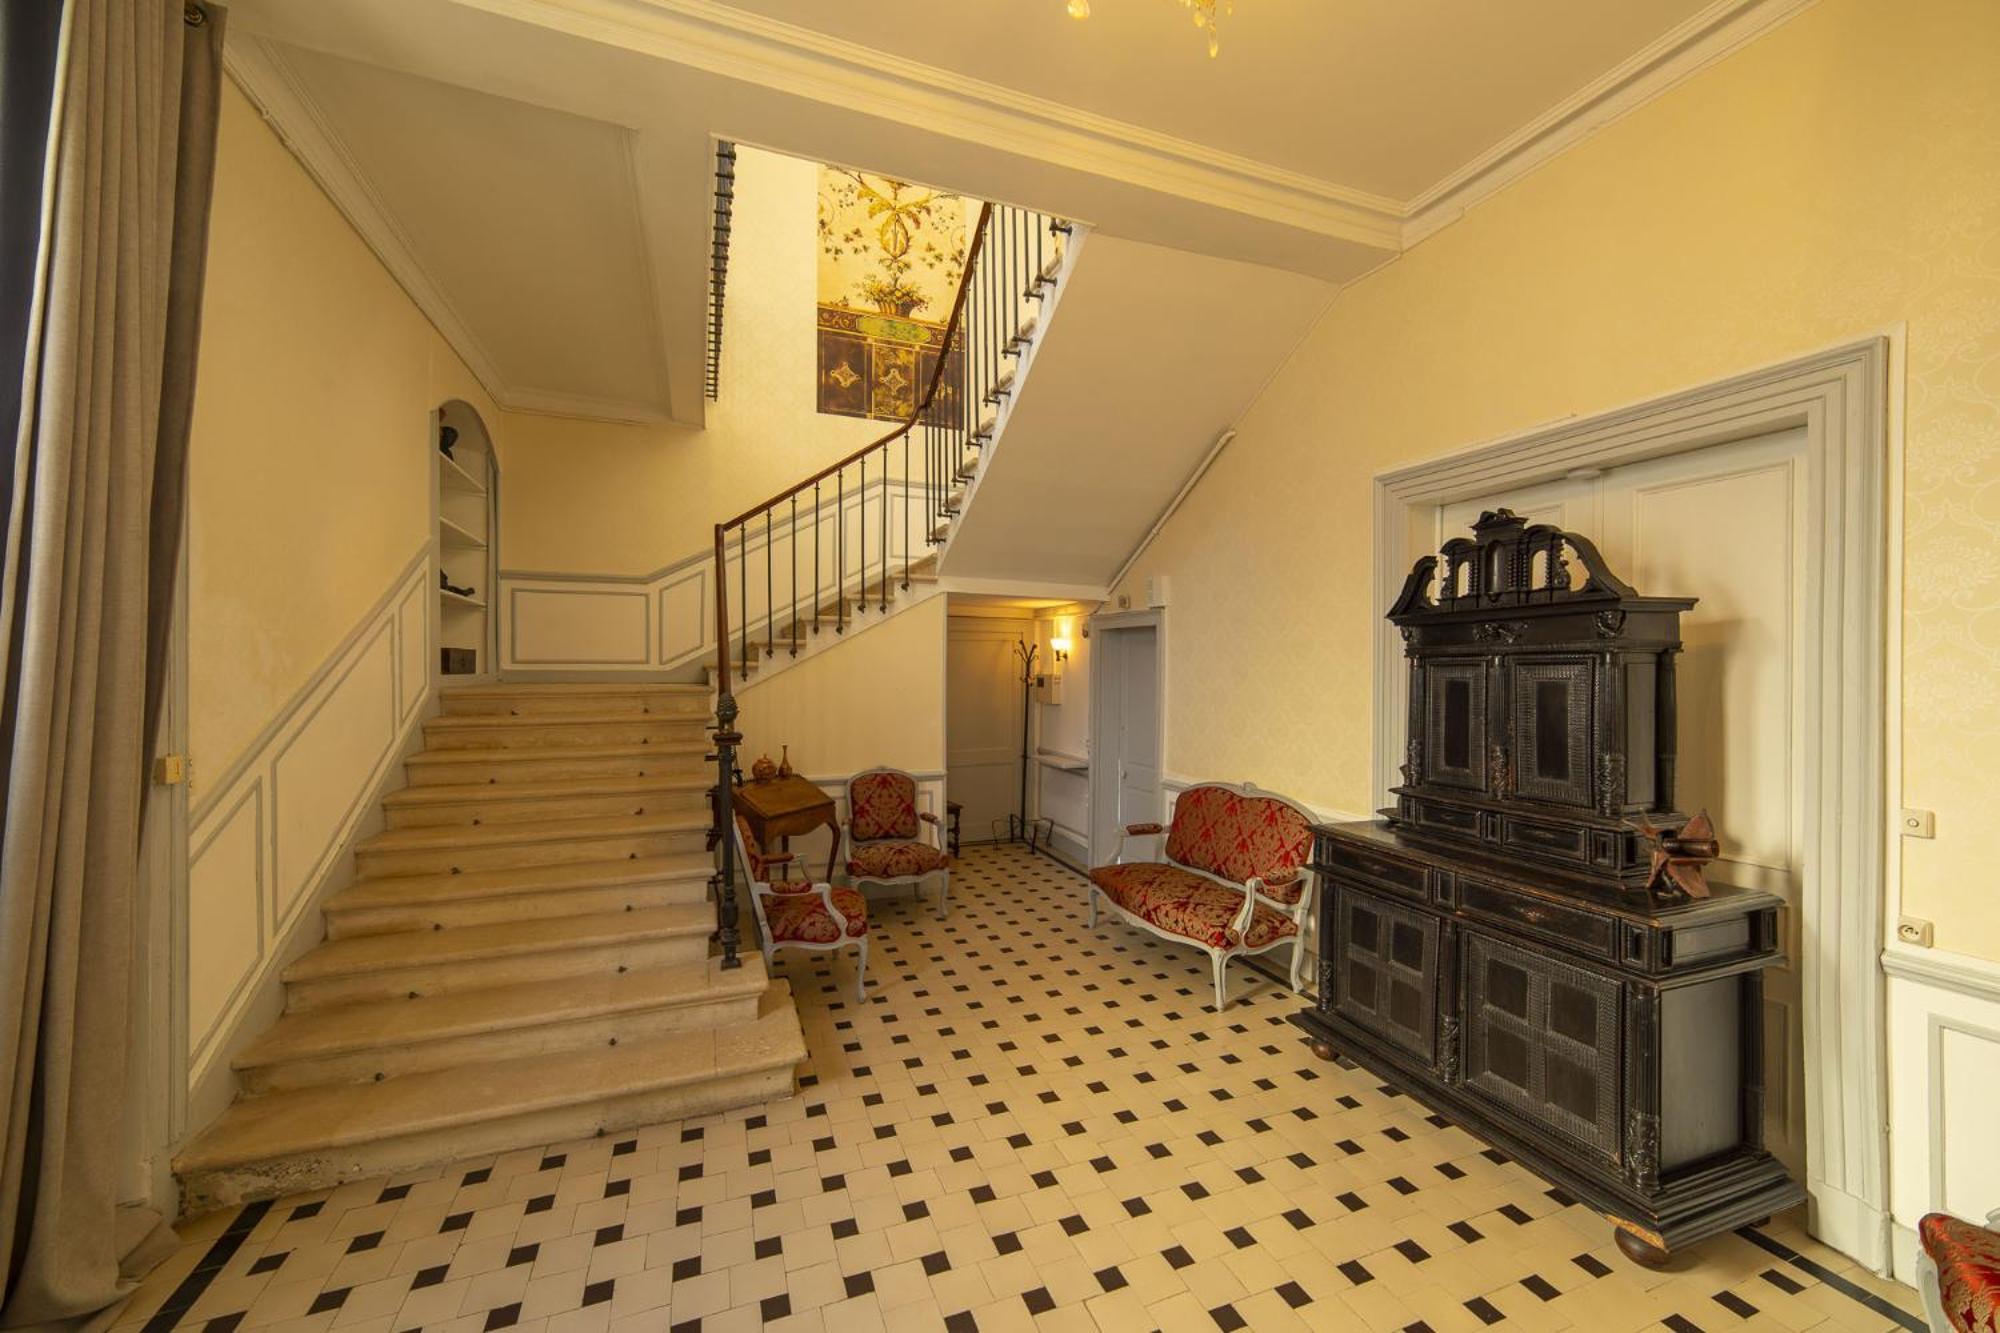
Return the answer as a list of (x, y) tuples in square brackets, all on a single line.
[(538, 173), (1149, 355), (1383, 96)]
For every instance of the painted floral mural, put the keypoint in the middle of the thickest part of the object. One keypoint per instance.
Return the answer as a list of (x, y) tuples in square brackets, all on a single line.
[(890, 256)]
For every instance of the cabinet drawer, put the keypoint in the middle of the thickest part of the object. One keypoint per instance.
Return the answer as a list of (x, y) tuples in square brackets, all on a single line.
[(1581, 932), (1407, 878)]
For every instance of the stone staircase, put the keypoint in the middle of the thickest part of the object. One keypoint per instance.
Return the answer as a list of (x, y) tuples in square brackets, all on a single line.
[(522, 958)]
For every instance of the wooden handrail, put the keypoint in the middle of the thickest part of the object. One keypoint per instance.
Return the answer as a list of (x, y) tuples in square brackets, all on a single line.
[(916, 412)]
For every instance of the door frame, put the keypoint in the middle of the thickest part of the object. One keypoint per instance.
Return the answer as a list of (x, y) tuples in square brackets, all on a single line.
[(1103, 669), (1848, 399)]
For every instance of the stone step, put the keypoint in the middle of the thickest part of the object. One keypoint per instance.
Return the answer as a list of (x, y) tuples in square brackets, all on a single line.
[(528, 893), (360, 1043), (440, 962), (454, 848), (476, 803), (599, 698), (475, 732), (500, 767), (317, 1137)]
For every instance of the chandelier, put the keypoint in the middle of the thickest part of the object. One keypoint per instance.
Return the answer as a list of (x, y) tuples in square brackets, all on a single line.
[(1202, 11)]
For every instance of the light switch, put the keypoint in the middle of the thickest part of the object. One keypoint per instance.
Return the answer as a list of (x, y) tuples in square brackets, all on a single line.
[(1918, 824)]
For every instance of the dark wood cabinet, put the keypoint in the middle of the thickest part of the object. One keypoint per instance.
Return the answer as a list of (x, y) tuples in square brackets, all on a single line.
[(1503, 944)]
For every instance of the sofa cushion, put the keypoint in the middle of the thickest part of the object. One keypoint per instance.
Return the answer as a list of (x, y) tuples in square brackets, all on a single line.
[(895, 860), (797, 915), (882, 804), (1968, 1264), (1233, 837), (1183, 903)]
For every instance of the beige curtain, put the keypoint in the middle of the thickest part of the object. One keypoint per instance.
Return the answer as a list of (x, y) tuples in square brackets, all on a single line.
[(93, 522)]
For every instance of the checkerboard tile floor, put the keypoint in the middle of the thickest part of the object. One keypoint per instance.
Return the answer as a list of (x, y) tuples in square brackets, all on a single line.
[(1027, 1125)]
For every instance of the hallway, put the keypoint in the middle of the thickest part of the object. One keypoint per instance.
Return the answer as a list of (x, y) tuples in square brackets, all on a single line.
[(1029, 1125)]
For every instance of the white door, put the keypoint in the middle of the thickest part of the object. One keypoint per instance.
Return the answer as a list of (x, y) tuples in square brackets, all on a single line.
[(1125, 731), (983, 705), (1728, 525)]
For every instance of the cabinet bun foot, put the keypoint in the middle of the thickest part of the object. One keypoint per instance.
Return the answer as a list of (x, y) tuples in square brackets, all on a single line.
[(1638, 1249), (1323, 1049)]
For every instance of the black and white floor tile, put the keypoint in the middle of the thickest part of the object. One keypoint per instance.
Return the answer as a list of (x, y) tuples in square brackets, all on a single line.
[(1027, 1125)]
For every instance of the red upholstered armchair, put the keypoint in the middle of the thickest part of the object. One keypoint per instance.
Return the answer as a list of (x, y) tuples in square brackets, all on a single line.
[(799, 914), (889, 840), (1958, 1273), (1234, 881)]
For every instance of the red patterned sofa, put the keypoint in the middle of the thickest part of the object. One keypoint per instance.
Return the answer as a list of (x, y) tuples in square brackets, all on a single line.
[(1234, 881), (1959, 1273)]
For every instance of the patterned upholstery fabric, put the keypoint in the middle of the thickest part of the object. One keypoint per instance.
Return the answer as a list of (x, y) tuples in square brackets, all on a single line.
[(882, 805), (1187, 905), (1968, 1264), (895, 860), (1235, 837), (797, 915), (760, 865)]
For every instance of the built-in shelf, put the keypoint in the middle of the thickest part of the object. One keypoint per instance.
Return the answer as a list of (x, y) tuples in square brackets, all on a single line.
[(452, 476), (460, 599), (453, 535), (1066, 763)]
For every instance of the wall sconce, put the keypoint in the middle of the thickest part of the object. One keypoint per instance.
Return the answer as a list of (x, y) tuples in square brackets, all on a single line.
[(1059, 646)]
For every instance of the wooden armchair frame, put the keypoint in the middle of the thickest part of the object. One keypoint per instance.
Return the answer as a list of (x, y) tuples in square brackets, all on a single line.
[(761, 891)]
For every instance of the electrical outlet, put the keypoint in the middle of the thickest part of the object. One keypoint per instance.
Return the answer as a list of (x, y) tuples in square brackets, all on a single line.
[(1918, 824), (1914, 930)]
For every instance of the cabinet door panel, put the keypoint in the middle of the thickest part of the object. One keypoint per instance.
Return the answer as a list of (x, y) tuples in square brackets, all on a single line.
[(1541, 1040), (1387, 968)]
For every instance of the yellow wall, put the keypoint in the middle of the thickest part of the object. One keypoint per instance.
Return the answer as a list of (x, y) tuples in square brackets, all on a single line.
[(1838, 177), (311, 447), (585, 497), (876, 700)]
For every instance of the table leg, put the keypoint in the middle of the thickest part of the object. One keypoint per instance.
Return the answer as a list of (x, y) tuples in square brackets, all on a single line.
[(833, 855)]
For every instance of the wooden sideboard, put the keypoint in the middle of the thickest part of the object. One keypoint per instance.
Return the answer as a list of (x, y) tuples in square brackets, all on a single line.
[(1614, 1048), (1527, 940)]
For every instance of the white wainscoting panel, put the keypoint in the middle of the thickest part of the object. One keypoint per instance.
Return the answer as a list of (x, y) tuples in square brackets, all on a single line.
[(666, 619), (1062, 796), (324, 769), (267, 835), (579, 625), (415, 645), (1944, 1083), (225, 909)]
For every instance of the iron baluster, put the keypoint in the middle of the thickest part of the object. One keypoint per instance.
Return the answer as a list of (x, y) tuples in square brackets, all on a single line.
[(770, 601), (793, 552), (743, 595)]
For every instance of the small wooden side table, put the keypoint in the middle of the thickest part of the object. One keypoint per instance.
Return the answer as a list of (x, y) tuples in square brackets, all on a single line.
[(786, 806), (953, 810)]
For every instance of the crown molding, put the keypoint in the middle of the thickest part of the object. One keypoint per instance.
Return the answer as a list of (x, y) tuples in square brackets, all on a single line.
[(733, 43), (1676, 55), (555, 403), (259, 68), (721, 39)]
